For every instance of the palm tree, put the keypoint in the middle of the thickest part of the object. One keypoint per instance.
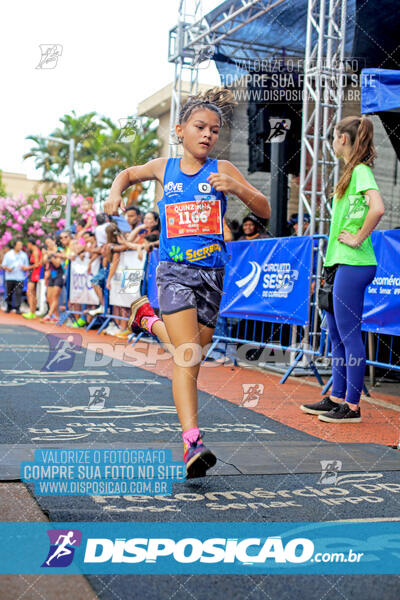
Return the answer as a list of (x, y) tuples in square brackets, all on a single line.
[(100, 152), (118, 155)]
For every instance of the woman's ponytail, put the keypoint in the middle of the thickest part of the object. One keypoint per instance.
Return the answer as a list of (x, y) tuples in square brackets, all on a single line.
[(361, 133)]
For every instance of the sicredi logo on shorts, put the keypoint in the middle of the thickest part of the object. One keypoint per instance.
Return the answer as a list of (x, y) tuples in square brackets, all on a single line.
[(172, 188), (192, 550)]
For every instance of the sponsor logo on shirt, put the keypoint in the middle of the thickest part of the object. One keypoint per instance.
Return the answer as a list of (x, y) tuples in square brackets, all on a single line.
[(172, 188), (202, 253), (193, 255), (204, 187)]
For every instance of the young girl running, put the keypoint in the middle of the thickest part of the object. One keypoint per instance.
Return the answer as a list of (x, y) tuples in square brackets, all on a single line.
[(192, 252), (357, 209)]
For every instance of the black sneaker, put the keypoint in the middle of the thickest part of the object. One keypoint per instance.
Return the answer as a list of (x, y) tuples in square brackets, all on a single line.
[(319, 408), (343, 414)]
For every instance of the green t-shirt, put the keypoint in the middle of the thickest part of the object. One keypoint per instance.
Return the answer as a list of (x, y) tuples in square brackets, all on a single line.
[(349, 213)]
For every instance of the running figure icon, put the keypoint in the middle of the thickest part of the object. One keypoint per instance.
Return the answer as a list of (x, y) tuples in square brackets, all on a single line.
[(62, 549), (63, 350), (279, 128)]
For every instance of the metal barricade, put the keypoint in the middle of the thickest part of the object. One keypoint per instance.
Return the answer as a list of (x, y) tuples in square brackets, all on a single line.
[(262, 343)]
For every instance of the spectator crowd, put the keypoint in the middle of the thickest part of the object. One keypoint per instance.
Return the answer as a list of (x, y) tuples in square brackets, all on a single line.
[(93, 236)]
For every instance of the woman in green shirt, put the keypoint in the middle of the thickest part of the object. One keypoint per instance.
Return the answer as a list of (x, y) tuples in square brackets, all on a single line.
[(356, 211)]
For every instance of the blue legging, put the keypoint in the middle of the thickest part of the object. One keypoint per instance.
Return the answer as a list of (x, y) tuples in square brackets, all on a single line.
[(344, 324)]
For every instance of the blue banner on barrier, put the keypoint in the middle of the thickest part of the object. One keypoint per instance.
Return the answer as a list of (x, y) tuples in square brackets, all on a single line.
[(151, 279), (269, 279), (215, 548), (382, 297)]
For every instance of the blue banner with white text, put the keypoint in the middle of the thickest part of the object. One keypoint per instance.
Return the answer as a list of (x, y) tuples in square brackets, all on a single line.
[(269, 280), (382, 296), (214, 548)]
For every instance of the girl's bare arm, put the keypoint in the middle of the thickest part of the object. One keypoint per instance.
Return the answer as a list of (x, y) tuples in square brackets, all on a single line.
[(151, 171)]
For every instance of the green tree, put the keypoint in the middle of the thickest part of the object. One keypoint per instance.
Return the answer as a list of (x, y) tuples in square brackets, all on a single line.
[(102, 150), (118, 155), (3, 192)]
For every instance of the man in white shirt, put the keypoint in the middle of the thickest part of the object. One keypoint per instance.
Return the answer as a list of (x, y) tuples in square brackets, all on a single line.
[(98, 281), (15, 264), (100, 231)]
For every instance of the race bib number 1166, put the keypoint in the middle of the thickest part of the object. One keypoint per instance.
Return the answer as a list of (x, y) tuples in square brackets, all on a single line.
[(201, 217)]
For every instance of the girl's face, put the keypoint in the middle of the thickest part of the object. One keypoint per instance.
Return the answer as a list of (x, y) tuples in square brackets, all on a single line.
[(85, 206), (149, 220), (200, 132), (340, 140), (249, 228)]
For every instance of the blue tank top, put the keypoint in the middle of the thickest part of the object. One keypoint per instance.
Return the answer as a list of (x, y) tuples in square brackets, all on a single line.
[(191, 213)]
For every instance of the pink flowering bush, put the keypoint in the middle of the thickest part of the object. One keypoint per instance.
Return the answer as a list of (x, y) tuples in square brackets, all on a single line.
[(30, 217)]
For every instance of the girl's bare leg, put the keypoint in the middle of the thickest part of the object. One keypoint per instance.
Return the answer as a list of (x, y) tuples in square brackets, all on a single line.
[(160, 331), (187, 338), (125, 312), (99, 293), (50, 299), (53, 310), (31, 295)]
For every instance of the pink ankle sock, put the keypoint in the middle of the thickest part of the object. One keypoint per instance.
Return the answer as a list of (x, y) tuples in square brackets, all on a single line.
[(191, 435), (148, 322)]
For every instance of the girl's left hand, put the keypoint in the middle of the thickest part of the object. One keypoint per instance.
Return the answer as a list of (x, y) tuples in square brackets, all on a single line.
[(222, 182), (108, 284), (349, 239)]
